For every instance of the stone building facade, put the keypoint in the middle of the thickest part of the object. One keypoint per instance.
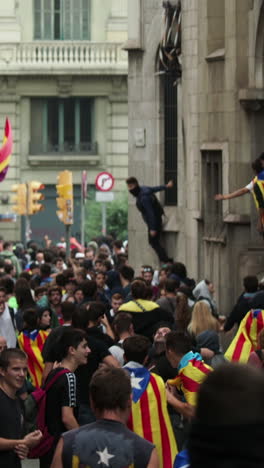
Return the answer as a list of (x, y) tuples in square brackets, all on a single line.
[(63, 85), (219, 101)]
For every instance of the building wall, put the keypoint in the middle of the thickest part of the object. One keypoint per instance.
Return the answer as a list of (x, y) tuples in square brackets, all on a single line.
[(218, 96), (107, 84)]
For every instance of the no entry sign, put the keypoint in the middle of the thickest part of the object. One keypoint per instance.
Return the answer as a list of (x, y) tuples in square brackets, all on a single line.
[(104, 181)]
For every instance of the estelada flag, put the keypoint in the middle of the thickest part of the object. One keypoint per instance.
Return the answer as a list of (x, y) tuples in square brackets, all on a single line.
[(32, 342), (245, 340), (6, 150), (258, 190), (192, 371), (149, 416)]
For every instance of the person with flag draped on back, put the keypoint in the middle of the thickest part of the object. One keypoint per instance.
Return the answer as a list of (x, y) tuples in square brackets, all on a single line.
[(149, 416), (192, 370), (31, 340), (245, 340), (256, 187)]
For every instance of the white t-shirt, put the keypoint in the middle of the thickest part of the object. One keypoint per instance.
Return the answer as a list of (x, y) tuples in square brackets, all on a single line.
[(7, 328), (250, 186)]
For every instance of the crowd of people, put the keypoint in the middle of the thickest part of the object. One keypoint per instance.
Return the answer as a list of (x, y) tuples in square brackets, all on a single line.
[(121, 358)]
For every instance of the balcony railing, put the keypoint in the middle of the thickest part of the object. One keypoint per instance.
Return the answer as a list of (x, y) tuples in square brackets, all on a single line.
[(84, 148), (56, 56)]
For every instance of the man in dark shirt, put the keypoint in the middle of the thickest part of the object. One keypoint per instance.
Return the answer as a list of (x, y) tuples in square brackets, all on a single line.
[(108, 440), (243, 304), (13, 445), (151, 211), (99, 354), (61, 402), (145, 314)]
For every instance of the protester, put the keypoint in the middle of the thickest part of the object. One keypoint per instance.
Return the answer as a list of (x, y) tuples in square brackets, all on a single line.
[(202, 319), (99, 354), (256, 357), (151, 211), (149, 415), (107, 442), (192, 370), (229, 420), (123, 328), (14, 446), (7, 321), (31, 340), (61, 401), (204, 291), (145, 313), (252, 187), (243, 304)]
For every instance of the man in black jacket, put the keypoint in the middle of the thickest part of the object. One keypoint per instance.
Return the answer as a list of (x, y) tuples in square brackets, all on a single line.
[(244, 302), (151, 211)]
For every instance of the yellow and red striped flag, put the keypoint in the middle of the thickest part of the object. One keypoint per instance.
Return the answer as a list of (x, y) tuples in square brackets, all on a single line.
[(245, 340), (32, 343), (6, 150), (192, 371), (149, 416)]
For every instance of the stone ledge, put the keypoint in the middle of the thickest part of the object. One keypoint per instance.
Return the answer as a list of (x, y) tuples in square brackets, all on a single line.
[(251, 99), (72, 160), (232, 218), (132, 44), (216, 56)]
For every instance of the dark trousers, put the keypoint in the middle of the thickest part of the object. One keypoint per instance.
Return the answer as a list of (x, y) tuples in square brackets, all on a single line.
[(154, 241)]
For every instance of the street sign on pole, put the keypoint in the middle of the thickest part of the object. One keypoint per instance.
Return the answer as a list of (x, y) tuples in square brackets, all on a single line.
[(83, 201), (104, 196), (104, 181)]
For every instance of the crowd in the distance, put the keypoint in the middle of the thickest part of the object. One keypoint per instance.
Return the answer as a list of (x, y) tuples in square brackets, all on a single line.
[(87, 323)]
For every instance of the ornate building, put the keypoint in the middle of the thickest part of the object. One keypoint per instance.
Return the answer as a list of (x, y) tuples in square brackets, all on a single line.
[(196, 114), (63, 84)]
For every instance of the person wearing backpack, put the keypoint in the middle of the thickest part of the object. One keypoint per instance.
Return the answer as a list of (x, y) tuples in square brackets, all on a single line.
[(14, 445), (61, 397), (152, 212)]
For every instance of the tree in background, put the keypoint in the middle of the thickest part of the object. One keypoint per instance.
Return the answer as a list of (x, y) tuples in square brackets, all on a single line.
[(116, 216)]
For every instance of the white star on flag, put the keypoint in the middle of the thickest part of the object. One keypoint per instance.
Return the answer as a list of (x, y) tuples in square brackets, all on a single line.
[(104, 457), (135, 381)]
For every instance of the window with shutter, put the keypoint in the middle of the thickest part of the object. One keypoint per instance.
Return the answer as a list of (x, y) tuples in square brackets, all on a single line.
[(170, 136), (62, 19), (63, 126), (212, 184)]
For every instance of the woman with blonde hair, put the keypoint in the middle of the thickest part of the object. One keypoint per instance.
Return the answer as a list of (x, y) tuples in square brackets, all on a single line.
[(202, 319)]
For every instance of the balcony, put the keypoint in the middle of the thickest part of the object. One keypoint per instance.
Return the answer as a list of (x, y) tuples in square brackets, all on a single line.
[(66, 153), (60, 57)]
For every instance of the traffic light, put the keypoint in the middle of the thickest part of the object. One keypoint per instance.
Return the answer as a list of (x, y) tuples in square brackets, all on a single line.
[(20, 199), (34, 196), (65, 197)]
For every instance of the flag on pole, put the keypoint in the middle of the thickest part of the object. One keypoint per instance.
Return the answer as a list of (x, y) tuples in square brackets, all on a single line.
[(6, 150), (245, 340), (32, 342), (192, 371)]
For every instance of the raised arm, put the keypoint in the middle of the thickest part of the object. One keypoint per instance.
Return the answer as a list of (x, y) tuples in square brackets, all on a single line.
[(159, 188), (228, 196)]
